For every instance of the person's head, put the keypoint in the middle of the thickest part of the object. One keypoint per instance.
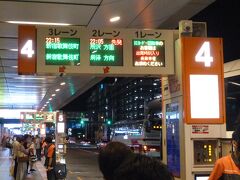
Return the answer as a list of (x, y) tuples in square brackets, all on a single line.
[(27, 138), (142, 167), (21, 140), (111, 157), (18, 138), (33, 139), (48, 140), (236, 139)]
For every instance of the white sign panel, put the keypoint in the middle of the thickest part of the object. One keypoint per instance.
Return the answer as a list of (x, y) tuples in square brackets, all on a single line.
[(204, 96)]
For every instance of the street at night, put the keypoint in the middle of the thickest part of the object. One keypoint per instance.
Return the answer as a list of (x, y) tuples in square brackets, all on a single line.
[(82, 164)]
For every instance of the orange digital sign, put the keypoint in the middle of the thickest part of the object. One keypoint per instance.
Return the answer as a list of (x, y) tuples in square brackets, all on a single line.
[(203, 85), (26, 50)]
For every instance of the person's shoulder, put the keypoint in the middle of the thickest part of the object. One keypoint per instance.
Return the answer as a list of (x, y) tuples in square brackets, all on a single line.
[(52, 146), (224, 159)]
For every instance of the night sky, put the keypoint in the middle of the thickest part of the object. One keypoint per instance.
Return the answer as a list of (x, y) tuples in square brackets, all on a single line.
[(223, 20)]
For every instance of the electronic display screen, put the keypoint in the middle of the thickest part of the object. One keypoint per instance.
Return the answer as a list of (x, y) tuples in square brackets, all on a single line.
[(106, 52), (201, 176), (62, 51), (61, 127), (148, 53), (60, 146), (173, 138)]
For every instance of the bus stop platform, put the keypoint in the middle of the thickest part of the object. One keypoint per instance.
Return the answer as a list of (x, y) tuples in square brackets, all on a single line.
[(5, 163)]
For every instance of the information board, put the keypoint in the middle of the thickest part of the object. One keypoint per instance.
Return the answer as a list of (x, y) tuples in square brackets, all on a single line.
[(62, 51), (148, 53), (106, 52)]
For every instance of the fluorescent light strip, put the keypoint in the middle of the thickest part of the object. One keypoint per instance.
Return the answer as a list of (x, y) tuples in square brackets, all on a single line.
[(231, 98), (24, 78), (237, 84), (53, 95), (63, 83), (28, 86), (57, 90), (38, 23), (15, 50)]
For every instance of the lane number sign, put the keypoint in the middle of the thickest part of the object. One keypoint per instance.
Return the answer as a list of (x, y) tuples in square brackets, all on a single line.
[(27, 49), (203, 55)]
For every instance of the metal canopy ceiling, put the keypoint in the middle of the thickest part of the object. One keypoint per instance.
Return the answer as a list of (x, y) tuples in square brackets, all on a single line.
[(30, 92)]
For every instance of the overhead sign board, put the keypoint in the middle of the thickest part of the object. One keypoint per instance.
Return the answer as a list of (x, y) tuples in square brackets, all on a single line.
[(108, 52), (37, 117)]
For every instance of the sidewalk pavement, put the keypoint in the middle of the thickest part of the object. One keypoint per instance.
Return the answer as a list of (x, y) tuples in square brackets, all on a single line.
[(5, 163)]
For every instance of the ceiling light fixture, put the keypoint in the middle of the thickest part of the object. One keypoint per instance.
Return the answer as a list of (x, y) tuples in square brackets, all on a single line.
[(14, 66), (13, 50), (28, 86), (50, 99), (47, 102), (115, 19), (57, 90), (53, 95), (38, 23), (237, 84), (63, 83)]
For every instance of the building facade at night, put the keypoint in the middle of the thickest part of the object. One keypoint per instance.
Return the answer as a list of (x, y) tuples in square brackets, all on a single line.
[(119, 99)]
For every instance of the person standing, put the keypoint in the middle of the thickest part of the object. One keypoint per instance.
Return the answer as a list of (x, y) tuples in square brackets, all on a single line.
[(22, 159), (16, 146), (32, 155), (50, 159), (228, 167), (38, 147)]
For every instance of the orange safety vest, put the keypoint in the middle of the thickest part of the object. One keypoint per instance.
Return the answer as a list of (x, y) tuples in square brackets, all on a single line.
[(225, 169)]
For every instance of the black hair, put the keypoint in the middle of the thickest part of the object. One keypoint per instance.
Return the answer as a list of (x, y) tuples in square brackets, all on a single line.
[(140, 167), (236, 134), (111, 157), (236, 137), (48, 139), (25, 136)]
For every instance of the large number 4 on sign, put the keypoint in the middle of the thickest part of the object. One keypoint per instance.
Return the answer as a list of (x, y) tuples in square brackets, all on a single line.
[(203, 55), (27, 49)]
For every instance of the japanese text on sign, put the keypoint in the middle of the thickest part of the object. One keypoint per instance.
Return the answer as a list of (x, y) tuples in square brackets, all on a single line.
[(105, 52), (148, 53), (62, 51)]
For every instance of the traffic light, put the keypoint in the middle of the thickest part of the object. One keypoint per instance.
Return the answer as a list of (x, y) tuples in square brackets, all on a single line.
[(82, 122), (109, 122)]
